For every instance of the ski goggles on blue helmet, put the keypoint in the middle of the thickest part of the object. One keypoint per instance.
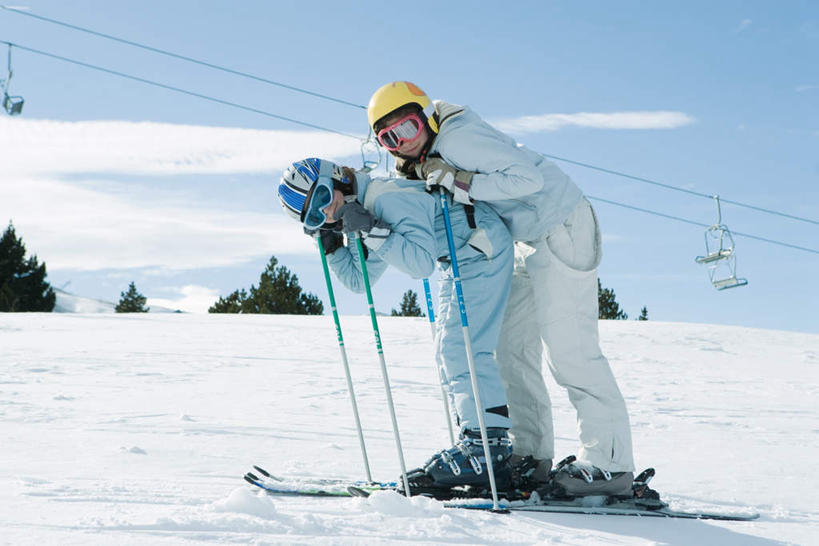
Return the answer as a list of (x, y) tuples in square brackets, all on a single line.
[(306, 189), (321, 195)]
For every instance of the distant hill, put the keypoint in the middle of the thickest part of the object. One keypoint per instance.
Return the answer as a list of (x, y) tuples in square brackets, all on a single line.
[(71, 303)]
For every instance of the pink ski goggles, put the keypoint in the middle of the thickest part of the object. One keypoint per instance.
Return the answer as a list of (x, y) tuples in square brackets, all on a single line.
[(404, 130)]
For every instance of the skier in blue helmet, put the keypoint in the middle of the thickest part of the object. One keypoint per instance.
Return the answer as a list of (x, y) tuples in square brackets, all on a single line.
[(402, 225), (553, 300)]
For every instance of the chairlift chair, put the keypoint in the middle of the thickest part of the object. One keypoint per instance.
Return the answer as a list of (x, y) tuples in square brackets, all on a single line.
[(719, 255), (370, 153), (13, 105)]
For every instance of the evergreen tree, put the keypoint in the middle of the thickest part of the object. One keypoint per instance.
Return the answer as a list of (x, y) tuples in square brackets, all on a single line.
[(22, 281), (131, 301), (278, 293), (230, 304), (409, 306), (608, 308), (643, 314)]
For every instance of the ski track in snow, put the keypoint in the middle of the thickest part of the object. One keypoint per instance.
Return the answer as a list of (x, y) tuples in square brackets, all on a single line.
[(137, 429)]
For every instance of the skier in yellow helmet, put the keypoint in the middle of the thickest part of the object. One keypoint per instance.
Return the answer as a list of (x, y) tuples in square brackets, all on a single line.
[(553, 299)]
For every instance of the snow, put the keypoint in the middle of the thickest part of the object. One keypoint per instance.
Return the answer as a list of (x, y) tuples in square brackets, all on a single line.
[(137, 429), (71, 303)]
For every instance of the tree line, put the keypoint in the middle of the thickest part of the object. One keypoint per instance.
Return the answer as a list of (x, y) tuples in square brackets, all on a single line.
[(24, 288)]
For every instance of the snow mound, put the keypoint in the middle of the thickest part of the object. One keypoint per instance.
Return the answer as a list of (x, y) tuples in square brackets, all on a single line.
[(390, 503), (243, 501)]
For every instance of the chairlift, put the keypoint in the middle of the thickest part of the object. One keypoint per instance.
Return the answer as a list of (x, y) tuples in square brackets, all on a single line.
[(12, 104), (719, 255), (370, 153)]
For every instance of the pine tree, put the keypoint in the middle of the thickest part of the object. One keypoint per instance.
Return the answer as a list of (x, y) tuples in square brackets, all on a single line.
[(22, 281), (131, 301), (409, 306), (643, 314), (230, 304), (608, 308), (278, 293)]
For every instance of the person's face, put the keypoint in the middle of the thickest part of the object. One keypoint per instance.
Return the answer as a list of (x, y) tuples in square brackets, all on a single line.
[(411, 149), (331, 209)]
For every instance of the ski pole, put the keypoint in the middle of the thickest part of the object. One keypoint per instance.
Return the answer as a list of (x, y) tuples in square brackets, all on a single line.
[(384, 374), (444, 396), (456, 276), (344, 358)]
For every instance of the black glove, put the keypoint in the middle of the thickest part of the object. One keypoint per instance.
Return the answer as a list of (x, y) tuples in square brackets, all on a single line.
[(330, 240), (354, 217)]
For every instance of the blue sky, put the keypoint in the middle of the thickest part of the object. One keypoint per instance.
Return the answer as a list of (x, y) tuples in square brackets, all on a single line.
[(184, 205)]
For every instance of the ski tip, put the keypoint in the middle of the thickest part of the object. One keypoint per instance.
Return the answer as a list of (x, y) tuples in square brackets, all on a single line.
[(357, 492), (267, 474), (262, 471), (250, 480), (252, 476)]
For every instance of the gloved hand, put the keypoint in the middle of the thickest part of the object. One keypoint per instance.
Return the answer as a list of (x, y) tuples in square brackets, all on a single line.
[(354, 217), (439, 174), (330, 240), (409, 168)]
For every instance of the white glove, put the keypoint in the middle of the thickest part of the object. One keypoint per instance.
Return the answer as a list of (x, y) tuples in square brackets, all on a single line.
[(439, 174)]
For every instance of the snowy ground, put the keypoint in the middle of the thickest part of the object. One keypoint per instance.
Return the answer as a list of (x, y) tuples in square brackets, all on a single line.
[(137, 429)]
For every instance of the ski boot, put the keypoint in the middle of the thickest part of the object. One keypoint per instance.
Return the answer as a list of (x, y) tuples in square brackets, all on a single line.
[(573, 478), (461, 471), (528, 473)]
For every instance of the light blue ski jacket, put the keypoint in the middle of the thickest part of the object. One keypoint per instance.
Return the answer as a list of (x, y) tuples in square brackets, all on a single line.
[(531, 194), (417, 241), (418, 238)]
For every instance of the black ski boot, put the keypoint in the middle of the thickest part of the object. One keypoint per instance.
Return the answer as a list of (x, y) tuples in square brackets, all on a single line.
[(461, 471)]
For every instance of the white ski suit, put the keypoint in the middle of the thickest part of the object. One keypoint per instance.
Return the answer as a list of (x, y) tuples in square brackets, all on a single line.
[(553, 299), (417, 241)]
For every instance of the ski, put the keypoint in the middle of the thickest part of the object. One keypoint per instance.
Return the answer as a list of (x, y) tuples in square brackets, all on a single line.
[(584, 506), (309, 486), (645, 503)]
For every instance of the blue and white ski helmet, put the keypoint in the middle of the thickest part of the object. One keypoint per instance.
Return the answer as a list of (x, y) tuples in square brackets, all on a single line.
[(299, 178), (296, 183)]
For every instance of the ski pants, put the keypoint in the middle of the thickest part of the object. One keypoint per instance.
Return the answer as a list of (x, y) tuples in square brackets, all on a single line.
[(553, 302), (485, 284)]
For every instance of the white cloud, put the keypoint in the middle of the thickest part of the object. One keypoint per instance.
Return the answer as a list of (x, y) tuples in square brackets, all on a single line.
[(650, 119), (32, 146), (77, 224), (76, 228), (803, 88), (743, 25), (194, 299)]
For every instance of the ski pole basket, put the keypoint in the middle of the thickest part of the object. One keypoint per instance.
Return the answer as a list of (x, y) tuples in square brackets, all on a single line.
[(719, 255)]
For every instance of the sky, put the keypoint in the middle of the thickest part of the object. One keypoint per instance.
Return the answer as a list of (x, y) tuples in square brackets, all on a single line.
[(110, 180)]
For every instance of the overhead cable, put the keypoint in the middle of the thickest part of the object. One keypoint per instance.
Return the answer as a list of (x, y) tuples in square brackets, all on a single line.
[(181, 57), (184, 91), (678, 219), (676, 188), (361, 106)]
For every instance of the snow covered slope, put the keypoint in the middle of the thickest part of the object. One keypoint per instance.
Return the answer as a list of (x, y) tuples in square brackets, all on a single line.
[(137, 429)]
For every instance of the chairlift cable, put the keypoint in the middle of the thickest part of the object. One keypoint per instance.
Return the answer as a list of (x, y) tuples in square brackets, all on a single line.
[(183, 57), (700, 224), (676, 188), (361, 106), (184, 91)]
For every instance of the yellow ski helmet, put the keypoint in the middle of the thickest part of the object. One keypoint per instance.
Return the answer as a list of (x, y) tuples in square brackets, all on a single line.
[(393, 96)]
